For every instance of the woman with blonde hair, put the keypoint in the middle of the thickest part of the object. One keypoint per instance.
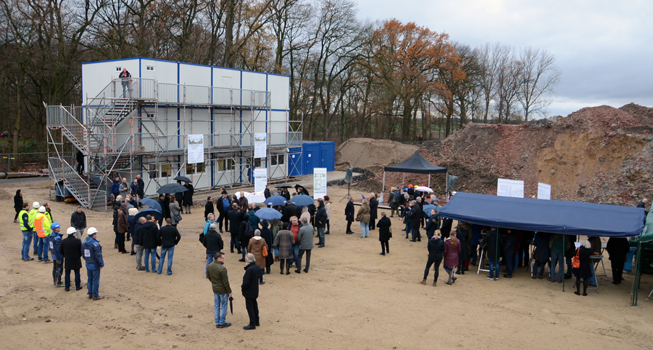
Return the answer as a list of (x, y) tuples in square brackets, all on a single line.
[(451, 250), (364, 213), (584, 271), (435, 247), (305, 214)]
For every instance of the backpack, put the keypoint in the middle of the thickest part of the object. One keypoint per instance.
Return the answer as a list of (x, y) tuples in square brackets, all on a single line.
[(249, 231)]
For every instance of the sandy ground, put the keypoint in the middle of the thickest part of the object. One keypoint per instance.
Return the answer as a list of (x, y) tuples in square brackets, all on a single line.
[(352, 298)]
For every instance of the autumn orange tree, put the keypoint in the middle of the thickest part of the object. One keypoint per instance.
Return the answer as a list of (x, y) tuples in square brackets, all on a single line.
[(407, 63)]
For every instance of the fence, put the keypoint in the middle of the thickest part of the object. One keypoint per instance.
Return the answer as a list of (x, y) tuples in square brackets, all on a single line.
[(23, 162)]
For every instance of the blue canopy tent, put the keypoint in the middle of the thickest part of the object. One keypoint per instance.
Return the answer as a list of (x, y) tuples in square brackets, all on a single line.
[(563, 217)]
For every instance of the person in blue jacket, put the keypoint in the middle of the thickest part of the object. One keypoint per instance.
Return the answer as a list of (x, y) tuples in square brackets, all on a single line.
[(115, 187), (54, 243), (92, 254)]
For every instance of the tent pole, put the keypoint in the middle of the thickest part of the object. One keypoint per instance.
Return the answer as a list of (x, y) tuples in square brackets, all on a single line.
[(429, 180), (634, 294), (403, 181), (383, 186), (564, 249), (496, 258)]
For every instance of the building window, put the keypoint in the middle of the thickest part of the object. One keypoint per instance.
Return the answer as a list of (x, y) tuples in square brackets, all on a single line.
[(190, 169), (200, 168), (150, 68), (257, 162), (273, 159), (165, 170)]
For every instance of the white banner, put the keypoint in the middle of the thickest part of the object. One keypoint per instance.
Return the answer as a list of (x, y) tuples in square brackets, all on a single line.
[(319, 182), (510, 188), (543, 191), (260, 179), (195, 149), (260, 144)]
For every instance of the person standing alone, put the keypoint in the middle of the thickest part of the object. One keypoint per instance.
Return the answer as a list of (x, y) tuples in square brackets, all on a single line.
[(217, 274), (92, 253), (18, 204), (249, 288), (125, 79)]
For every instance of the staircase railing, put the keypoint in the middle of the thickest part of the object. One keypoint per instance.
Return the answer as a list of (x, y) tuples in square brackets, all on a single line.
[(77, 186)]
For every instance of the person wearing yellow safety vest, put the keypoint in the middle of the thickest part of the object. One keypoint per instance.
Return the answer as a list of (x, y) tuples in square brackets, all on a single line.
[(42, 226), (26, 229), (32, 215)]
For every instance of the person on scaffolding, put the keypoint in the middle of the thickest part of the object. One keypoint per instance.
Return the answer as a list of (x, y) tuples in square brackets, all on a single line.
[(125, 78)]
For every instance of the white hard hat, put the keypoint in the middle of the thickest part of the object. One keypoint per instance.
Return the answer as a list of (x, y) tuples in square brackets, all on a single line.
[(35, 205), (71, 230), (41, 209), (91, 231)]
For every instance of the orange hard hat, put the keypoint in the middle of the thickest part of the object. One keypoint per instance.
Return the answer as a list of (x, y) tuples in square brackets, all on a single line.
[(410, 186)]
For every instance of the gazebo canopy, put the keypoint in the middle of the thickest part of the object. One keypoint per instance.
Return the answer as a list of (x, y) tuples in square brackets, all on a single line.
[(416, 164)]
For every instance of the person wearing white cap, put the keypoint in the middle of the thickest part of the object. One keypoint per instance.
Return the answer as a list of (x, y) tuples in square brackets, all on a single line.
[(32, 214), (92, 253), (71, 249), (54, 243)]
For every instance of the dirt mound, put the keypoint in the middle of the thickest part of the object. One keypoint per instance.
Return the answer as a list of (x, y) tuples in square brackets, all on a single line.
[(598, 154), (365, 153)]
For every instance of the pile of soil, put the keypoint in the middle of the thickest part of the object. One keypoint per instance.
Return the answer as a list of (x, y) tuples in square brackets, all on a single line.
[(598, 154), (365, 153)]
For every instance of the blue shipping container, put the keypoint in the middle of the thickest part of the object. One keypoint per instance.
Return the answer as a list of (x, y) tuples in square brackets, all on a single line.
[(318, 154)]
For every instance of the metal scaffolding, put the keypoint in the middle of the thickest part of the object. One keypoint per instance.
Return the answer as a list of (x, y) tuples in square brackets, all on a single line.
[(120, 132)]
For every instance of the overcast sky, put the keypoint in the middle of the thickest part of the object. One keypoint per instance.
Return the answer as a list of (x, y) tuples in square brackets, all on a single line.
[(604, 49)]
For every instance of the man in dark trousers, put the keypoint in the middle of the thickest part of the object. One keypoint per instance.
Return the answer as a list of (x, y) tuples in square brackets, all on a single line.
[(208, 207), (320, 222), (414, 217), (71, 249), (223, 204), (249, 289), (79, 162), (149, 242), (618, 249), (141, 188), (374, 206), (349, 215), (235, 217), (168, 238)]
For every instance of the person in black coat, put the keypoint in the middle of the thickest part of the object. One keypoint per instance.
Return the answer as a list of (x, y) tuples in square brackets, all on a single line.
[(494, 248), (71, 249), (266, 193), (349, 215), (208, 207), (541, 253), (432, 224), (266, 234), (249, 289), (585, 270), (289, 211), (436, 250), (374, 206), (149, 241), (243, 235), (618, 249), (213, 243), (445, 230), (18, 204), (235, 218), (320, 221), (414, 218), (188, 197), (384, 233)]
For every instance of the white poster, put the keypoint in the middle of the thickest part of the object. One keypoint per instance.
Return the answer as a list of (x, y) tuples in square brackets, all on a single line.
[(543, 191), (510, 188), (260, 144), (319, 183), (195, 149), (260, 179)]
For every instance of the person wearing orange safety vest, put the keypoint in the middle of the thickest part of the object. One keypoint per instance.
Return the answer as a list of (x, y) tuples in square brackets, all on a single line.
[(42, 226), (32, 215)]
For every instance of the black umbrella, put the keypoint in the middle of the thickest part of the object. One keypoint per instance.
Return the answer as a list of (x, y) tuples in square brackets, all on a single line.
[(183, 178), (283, 186), (231, 304), (304, 190), (171, 188)]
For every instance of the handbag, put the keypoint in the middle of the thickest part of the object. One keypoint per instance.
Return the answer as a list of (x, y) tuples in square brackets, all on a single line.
[(359, 218), (265, 251), (575, 263), (390, 230), (178, 217)]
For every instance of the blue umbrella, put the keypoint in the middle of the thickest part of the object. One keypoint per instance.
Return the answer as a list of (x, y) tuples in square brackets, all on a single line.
[(171, 188), (157, 214), (151, 203), (268, 214), (302, 200), (275, 200), (427, 209)]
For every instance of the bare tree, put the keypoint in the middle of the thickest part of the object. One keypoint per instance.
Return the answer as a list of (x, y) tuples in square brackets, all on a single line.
[(538, 76)]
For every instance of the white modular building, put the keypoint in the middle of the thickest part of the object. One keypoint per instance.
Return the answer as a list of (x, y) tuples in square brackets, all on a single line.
[(140, 125)]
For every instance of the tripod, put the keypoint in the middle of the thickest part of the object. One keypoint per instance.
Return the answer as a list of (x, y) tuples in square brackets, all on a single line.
[(348, 196)]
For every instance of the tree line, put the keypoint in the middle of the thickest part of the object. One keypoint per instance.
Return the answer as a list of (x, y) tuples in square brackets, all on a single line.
[(349, 78)]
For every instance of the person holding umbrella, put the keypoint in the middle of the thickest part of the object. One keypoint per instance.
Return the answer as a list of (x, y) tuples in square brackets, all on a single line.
[(217, 274)]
